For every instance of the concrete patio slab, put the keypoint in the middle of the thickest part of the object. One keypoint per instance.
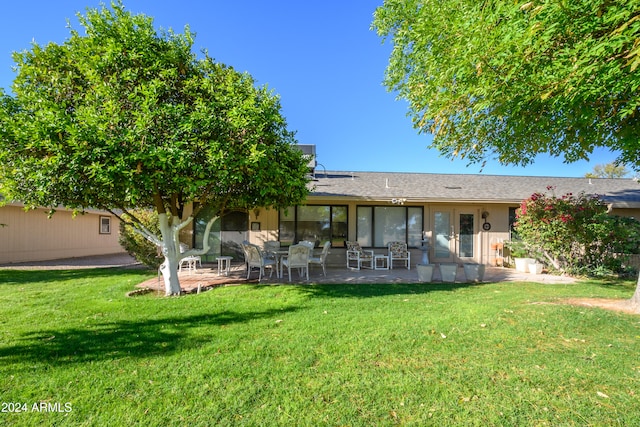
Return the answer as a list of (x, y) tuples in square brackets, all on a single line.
[(208, 277)]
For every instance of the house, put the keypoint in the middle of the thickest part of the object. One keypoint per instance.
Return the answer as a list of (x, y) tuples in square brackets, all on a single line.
[(457, 217), (31, 235), (462, 217)]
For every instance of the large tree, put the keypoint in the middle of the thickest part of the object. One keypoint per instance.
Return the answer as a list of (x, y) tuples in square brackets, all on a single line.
[(507, 80), (609, 170), (125, 116), (512, 79)]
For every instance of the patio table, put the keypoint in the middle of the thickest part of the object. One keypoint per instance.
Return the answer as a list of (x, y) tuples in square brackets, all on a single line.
[(224, 264), (380, 262), (278, 254)]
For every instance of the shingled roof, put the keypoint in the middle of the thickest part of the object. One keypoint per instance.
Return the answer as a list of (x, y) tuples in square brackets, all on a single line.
[(427, 187)]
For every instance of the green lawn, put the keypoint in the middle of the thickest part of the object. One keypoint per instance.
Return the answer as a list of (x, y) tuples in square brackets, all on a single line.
[(74, 345)]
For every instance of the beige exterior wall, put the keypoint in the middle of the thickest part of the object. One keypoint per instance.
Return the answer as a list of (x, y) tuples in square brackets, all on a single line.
[(634, 213), (268, 223), (484, 241), (32, 236)]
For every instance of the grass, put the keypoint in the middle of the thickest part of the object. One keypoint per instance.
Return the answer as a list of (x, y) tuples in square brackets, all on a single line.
[(338, 355)]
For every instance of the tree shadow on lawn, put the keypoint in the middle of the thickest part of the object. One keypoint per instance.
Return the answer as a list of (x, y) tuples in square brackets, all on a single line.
[(380, 289), (612, 282), (109, 341), (25, 277)]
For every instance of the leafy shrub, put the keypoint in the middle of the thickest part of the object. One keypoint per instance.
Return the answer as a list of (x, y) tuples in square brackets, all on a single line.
[(138, 246), (576, 234), (518, 249)]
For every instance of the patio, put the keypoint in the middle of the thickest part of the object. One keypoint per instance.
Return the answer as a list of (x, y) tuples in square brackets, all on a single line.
[(207, 277)]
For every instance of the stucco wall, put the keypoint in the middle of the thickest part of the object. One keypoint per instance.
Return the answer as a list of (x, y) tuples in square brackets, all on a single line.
[(32, 236), (634, 213), (498, 218)]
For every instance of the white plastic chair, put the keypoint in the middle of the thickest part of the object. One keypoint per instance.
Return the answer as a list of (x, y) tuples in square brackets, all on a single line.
[(191, 261), (298, 257), (308, 243), (321, 260), (271, 245), (256, 258)]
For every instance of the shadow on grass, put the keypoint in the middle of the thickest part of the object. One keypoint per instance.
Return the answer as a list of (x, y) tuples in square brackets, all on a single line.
[(24, 277), (611, 283), (381, 289), (108, 341)]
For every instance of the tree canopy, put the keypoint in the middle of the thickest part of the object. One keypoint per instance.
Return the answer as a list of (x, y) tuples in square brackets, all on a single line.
[(125, 116), (609, 170), (510, 80)]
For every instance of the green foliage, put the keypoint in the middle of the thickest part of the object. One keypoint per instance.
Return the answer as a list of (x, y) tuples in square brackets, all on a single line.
[(512, 79), (122, 116), (518, 249), (136, 244), (609, 170), (576, 233), (353, 355)]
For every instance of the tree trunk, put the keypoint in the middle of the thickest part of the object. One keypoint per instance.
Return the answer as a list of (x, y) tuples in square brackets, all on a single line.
[(169, 242), (635, 299), (172, 255), (169, 270), (170, 230)]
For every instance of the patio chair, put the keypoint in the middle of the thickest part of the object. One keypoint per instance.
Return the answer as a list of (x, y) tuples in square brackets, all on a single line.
[(298, 257), (359, 255), (398, 251), (321, 260), (308, 243), (271, 246), (191, 261), (245, 252), (256, 258), (270, 249)]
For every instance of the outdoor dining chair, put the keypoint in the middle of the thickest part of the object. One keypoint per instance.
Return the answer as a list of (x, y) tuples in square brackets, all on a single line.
[(191, 260), (322, 258), (257, 259), (298, 257), (271, 246)]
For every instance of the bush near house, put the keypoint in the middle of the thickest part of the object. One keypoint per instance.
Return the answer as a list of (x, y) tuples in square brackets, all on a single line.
[(137, 245), (576, 234)]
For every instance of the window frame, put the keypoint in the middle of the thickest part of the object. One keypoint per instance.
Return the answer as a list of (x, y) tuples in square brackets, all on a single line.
[(372, 223), (296, 232), (101, 224)]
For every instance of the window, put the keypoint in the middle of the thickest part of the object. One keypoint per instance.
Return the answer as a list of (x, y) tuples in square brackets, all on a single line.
[(223, 234), (379, 225), (466, 236), (234, 221), (105, 225), (443, 234), (316, 223)]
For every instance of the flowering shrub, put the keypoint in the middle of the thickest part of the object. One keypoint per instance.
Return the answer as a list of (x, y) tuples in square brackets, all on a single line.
[(575, 233)]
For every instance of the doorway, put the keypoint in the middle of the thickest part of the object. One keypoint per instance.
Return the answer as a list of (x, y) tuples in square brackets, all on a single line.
[(454, 235)]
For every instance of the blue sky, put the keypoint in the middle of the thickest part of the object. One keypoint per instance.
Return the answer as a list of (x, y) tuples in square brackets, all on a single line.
[(321, 57)]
